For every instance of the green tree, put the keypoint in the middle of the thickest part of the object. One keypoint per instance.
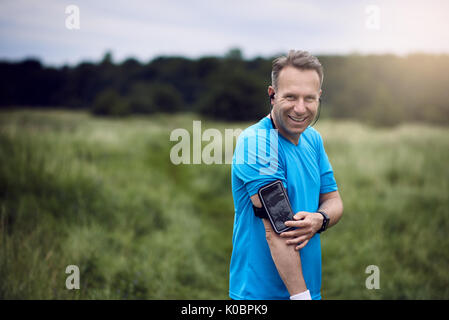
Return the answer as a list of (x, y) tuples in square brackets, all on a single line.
[(109, 102), (147, 97), (235, 96)]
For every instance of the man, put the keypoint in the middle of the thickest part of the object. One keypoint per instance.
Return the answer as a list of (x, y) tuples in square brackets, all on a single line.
[(265, 265)]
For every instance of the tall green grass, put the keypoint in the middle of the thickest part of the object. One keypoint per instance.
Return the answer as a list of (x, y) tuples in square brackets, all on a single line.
[(103, 194)]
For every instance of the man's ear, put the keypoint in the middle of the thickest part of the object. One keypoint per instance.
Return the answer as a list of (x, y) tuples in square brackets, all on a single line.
[(271, 93)]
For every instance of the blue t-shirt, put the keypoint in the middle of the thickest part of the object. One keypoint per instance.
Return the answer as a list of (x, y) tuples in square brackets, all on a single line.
[(262, 156)]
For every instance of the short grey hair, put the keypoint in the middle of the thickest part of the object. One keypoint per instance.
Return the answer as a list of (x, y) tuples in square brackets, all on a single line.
[(302, 60)]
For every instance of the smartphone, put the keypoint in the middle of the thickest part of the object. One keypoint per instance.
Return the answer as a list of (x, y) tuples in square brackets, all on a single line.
[(275, 201)]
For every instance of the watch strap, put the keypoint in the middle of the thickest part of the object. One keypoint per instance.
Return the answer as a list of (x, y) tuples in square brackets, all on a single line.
[(325, 221)]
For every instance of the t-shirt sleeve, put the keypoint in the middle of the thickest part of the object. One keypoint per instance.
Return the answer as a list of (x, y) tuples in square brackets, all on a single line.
[(256, 160), (328, 183)]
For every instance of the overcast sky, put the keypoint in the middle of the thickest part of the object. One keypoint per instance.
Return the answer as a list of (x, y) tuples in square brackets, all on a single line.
[(194, 28)]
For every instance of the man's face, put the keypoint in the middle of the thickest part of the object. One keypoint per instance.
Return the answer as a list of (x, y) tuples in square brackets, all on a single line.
[(296, 101)]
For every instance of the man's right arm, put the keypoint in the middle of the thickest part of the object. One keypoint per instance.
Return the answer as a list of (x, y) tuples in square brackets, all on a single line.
[(285, 257)]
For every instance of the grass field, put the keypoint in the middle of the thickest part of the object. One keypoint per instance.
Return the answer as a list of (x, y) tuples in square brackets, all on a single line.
[(103, 194)]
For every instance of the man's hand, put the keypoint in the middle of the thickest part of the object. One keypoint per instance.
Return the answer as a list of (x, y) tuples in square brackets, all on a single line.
[(308, 223)]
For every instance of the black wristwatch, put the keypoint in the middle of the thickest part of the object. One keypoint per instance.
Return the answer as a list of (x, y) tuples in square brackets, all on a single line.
[(326, 220)]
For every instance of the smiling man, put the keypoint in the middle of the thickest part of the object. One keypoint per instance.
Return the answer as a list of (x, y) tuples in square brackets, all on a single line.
[(265, 265)]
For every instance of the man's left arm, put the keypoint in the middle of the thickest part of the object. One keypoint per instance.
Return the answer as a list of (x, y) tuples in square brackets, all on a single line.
[(308, 223)]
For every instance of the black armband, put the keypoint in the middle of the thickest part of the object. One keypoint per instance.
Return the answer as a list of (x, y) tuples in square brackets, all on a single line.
[(260, 212)]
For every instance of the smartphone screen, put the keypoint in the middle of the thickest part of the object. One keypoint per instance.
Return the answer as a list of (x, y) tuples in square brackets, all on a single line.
[(277, 205)]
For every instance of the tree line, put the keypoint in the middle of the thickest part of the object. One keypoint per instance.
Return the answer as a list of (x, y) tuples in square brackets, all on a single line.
[(379, 89)]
